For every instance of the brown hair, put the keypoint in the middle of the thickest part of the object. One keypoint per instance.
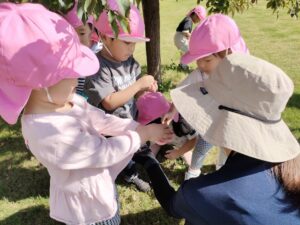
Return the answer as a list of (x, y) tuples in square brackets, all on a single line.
[(288, 175)]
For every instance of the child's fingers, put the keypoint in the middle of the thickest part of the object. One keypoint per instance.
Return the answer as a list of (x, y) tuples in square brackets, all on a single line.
[(168, 154)]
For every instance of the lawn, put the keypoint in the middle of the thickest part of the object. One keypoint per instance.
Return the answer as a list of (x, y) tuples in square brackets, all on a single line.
[(24, 182)]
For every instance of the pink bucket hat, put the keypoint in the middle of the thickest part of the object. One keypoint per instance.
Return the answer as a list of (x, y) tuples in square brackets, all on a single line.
[(152, 105), (216, 33), (136, 24), (38, 50), (73, 18), (199, 11)]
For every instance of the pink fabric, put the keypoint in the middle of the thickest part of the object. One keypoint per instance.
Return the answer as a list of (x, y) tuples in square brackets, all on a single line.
[(136, 24), (113, 5), (73, 19), (38, 50), (199, 11), (82, 163), (216, 33), (152, 105)]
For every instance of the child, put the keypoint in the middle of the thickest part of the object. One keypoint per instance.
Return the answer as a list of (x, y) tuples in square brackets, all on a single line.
[(117, 82), (184, 29), (40, 64), (87, 35), (151, 106), (213, 34)]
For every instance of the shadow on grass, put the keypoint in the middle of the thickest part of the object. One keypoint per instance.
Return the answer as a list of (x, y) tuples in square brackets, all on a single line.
[(155, 216), (294, 101), (19, 183), (14, 128), (37, 215)]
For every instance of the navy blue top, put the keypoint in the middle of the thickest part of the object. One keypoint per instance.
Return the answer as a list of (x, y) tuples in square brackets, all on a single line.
[(242, 192), (185, 24)]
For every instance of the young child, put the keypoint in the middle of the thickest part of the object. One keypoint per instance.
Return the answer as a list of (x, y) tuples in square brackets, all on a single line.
[(184, 29), (40, 64), (152, 107), (87, 35), (118, 81), (221, 36)]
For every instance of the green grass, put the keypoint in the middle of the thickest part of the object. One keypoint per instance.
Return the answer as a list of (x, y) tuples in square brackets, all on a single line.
[(24, 183)]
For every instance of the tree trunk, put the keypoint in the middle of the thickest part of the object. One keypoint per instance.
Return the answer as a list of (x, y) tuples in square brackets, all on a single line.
[(152, 26)]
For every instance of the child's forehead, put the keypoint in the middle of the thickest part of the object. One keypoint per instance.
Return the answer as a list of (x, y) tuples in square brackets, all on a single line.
[(212, 56)]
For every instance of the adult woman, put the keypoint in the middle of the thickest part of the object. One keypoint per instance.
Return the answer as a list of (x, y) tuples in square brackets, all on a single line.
[(239, 109)]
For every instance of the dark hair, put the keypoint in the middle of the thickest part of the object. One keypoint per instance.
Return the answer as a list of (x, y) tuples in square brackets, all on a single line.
[(288, 175), (192, 14), (222, 54)]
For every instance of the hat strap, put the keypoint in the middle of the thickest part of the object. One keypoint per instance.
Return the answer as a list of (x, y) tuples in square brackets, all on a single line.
[(48, 95), (221, 107)]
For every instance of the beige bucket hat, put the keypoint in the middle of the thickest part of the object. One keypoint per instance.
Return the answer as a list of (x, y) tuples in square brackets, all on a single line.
[(239, 107)]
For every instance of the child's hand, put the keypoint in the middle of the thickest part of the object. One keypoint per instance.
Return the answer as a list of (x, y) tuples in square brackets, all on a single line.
[(172, 154), (153, 87), (145, 82), (158, 133)]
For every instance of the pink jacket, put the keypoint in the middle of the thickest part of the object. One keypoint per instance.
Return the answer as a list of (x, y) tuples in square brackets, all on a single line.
[(82, 163)]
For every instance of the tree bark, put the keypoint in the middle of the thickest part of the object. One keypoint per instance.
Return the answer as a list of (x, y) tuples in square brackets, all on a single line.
[(152, 27)]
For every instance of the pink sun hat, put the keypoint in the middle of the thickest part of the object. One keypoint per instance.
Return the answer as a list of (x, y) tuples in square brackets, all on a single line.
[(73, 19), (216, 33), (151, 106), (38, 50), (200, 11), (136, 24)]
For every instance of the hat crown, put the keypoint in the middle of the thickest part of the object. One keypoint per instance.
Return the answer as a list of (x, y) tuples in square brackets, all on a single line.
[(216, 33), (251, 85), (199, 11), (136, 24), (151, 106), (42, 46), (72, 16)]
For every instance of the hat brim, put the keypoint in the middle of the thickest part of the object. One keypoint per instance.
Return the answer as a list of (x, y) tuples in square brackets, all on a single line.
[(187, 58), (86, 64), (267, 142), (12, 100), (130, 38)]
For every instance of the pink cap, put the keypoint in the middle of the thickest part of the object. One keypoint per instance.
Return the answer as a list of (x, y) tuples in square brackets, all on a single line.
[(199, 11), (216, 33), (73, 19), (136, 24), (38, 48), (152, 105)]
